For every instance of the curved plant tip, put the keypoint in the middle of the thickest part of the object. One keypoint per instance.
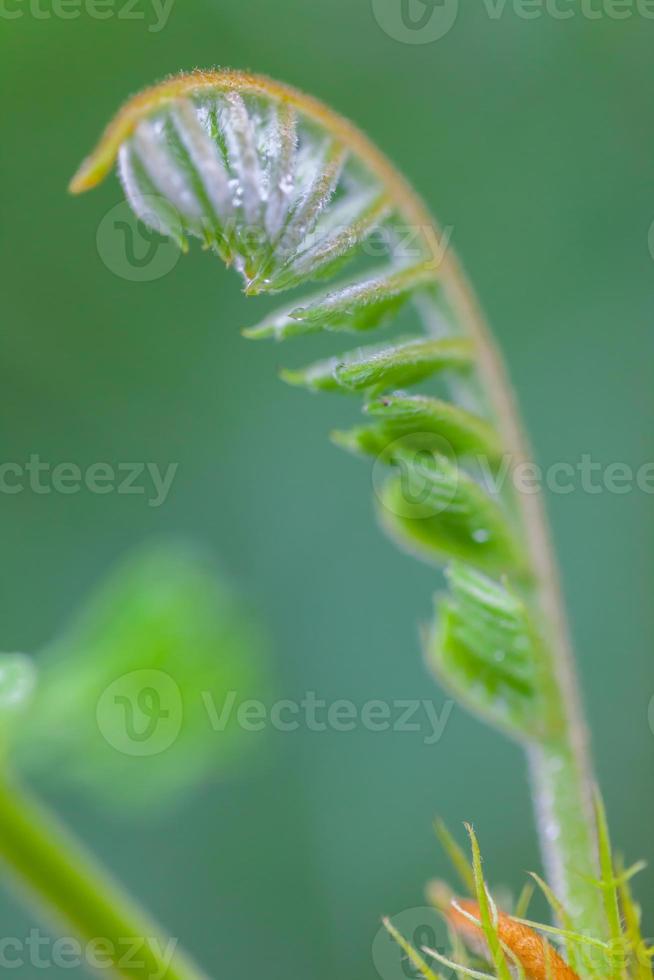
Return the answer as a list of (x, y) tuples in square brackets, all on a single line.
[(289, 193)]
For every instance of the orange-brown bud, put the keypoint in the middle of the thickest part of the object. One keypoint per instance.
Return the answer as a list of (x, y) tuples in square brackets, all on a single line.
[(538, 958)]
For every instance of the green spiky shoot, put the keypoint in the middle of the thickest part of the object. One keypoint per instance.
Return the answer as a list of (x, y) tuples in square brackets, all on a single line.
[(508, 944)]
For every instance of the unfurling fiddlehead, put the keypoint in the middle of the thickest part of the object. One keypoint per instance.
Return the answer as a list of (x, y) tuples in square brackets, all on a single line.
[(288, 192)]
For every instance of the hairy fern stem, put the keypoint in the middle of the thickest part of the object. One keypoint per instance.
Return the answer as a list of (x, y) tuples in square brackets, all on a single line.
[(285, 189), (561, 767)]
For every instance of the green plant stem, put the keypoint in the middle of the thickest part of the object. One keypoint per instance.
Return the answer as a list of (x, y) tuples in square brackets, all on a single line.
[(74, 894), (567, 835), (560, 768)]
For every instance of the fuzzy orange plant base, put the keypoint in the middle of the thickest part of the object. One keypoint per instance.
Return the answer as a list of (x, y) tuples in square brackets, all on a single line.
[(537, 957)]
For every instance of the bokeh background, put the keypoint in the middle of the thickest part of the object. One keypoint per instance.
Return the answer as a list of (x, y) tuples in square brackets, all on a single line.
[(533, 139)]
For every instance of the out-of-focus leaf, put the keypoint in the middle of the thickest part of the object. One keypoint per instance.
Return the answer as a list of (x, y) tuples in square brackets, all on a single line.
[(131, 696), (17, 683)]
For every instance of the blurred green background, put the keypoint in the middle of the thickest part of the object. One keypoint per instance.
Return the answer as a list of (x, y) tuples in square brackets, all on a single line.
[(532, 138)]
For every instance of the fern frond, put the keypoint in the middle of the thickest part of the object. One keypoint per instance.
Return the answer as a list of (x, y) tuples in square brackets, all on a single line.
[(355, 306), (485, 648), (401, 416), (287, 191), (371, 369), (434, 510)]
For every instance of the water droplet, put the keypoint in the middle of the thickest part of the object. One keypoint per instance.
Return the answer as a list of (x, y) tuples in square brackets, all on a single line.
[(552, 831), (481, 535)]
